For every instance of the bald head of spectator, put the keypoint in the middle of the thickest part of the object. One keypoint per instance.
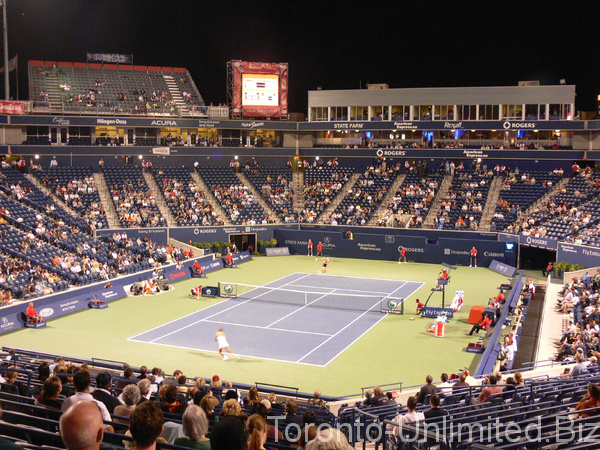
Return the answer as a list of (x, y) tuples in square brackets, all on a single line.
[(81, 427)]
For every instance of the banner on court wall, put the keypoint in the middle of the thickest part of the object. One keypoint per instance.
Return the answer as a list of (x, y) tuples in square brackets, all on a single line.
[(578, 254), (158, 235), (543, 242), (502, 268), (210, 291), (52, 306), (277, 251), (387, 247)]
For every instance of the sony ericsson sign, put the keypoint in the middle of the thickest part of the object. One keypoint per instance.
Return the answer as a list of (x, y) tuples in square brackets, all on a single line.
[(538, 242), (522, 125)]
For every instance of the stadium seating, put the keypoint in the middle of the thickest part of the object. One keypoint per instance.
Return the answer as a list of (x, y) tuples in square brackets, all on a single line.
[(321, 185), (235, 199), (112, 88), (76, 186), (518, 194), (186, 201), (464, 204), (359, 204), (274, 185), (133, 200)]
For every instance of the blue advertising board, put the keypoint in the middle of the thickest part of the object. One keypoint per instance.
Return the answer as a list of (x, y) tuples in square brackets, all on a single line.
[(158, 235), (221, 234), (543, 242), (505, 269), (387, 247), (578, 254), (75, 299)]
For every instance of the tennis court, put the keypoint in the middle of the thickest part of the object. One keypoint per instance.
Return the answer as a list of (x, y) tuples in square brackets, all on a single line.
[(300, 318)]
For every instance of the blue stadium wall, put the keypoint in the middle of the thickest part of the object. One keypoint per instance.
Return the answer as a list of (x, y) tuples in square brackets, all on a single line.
[(525, 160), (385, 247)]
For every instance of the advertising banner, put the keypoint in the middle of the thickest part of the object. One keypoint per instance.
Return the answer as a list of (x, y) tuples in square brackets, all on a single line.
[(278, 251), (387, 247), (52, 306), (578, 254), (158, 235), (446, 125), (543, 242), (505, 269), (8, 107), (109, 58)]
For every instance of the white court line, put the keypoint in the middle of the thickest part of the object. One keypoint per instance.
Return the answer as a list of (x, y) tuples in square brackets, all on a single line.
[(203, 309), (341, 289), (299, 309), (351, 343), (399, 287), (383, 316), (212, 352), (198, 321), (327, 340), (348, 276), (262, 328), (180, 318)]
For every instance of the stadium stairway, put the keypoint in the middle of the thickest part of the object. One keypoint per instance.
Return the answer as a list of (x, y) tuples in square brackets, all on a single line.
[(259, 198), (208, 194), (53, 93), (109, 208), (161, 203), (490, 206), (529, 335), (49, 193), (339, 197), (176, 96), (551, 193), (298, 181), (386, 200), (554, 324), (435, 206)]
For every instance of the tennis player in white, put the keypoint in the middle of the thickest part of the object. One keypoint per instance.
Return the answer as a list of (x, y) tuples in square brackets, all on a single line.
[(221, 339)]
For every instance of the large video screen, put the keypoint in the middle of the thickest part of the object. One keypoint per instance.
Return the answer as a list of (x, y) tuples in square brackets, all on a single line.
[(260, 90)]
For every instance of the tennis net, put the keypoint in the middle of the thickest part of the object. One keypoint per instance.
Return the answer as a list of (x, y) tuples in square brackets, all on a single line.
[(354, 302)]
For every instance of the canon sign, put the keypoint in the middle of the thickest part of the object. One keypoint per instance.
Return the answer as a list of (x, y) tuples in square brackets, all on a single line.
[(494, 255)]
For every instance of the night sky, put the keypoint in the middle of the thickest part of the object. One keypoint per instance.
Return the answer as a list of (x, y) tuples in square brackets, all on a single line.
[(335, 45)]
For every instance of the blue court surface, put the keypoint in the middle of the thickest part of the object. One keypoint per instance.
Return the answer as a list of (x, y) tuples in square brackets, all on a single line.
[(305, 333)]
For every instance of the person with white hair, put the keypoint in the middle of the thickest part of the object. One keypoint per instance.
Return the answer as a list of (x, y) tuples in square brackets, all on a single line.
[(130, 396), (195, 427)]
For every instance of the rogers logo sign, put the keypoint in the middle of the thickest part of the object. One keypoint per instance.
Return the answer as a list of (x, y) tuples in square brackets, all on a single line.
[(176, 275)]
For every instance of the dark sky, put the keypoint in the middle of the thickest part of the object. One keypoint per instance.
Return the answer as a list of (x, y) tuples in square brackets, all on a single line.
[(332, 44)]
